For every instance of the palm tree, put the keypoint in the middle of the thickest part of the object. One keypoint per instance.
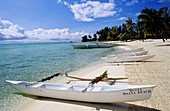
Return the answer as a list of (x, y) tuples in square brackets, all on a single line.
[(113, 32), (84, 38), (165, 14), (140, 29), (130, 27), (94, 37), (129, 24), (124, 29), (89, 38), (147, 18), (103, 34), (153, 22)]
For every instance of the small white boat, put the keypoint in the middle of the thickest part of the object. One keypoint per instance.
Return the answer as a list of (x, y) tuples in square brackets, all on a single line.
[(130, 51), (129, 54), (99, 94), (87, 46), (133, 50), (129, 58)]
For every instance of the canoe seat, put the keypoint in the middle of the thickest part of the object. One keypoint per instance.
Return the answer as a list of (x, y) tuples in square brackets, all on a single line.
[(97, 89), (66, 87)]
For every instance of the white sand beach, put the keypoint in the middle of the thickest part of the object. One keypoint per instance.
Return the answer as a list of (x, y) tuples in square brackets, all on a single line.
[(155, 71)]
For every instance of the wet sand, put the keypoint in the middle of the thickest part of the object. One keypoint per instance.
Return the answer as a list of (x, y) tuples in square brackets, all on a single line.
[(152, 72)]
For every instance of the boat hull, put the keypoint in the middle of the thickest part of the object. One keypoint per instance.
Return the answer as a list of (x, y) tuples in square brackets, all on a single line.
[(129, 58), (135, 93), (133, 50), (88, 46), (130, 54)]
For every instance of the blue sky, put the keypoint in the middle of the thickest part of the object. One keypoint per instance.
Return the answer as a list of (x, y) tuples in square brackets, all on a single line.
[(43, 19)]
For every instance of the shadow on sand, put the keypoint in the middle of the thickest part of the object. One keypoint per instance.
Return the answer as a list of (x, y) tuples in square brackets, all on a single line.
[(163, 45), (129, 63), (150, 61), (96, 106), (105, 106)]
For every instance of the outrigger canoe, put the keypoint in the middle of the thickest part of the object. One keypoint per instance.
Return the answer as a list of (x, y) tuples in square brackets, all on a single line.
[(97, 93), (129, 58), (133, 50), (129, 54)]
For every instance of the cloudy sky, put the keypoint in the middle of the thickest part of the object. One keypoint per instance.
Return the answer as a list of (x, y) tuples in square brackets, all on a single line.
[(62, 20)]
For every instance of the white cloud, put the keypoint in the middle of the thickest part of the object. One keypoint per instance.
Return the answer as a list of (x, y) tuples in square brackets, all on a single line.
[(138, 14), (59, 1), (119, 9), (9, 31), (122, 18), (54, 34), (91, 9), (83, 0), (65, 3), (132, 2)]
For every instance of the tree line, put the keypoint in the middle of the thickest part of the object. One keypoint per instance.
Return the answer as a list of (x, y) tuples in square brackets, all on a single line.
[(150, 24)]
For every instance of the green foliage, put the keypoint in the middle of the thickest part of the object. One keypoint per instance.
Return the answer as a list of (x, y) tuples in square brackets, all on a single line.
[(126, 37), (100, 78), (84, 38), (155, 23), (150, 24), (103, 34), (89, 38), (94, 37)]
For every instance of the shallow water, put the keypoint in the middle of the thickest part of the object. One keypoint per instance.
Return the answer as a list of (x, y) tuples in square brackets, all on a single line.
[(31, 62)]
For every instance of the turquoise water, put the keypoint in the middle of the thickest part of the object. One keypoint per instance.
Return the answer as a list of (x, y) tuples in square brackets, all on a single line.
[(31, 62)]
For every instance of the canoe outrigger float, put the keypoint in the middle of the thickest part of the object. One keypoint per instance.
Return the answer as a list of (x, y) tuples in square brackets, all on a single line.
[(87, 93), (87, 79)]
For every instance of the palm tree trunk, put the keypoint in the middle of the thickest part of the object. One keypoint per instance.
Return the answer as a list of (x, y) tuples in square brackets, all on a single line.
[(162, 37)]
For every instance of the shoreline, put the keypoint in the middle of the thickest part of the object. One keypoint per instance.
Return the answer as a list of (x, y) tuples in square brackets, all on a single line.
[(92, 70), (137, 74)]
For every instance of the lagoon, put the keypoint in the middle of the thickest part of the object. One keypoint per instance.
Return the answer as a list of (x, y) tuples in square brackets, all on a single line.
[(33, 61)]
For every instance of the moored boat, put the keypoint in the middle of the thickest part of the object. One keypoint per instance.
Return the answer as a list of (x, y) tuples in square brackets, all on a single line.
[(97, 93), (87, 46)]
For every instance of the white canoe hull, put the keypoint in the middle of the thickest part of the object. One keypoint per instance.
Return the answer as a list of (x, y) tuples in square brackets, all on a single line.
[(133, 50), (129, 58), (99, 94), (130, 54)]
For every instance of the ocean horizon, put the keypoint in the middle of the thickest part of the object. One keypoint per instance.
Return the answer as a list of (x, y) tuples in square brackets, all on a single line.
[(34, 61)]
